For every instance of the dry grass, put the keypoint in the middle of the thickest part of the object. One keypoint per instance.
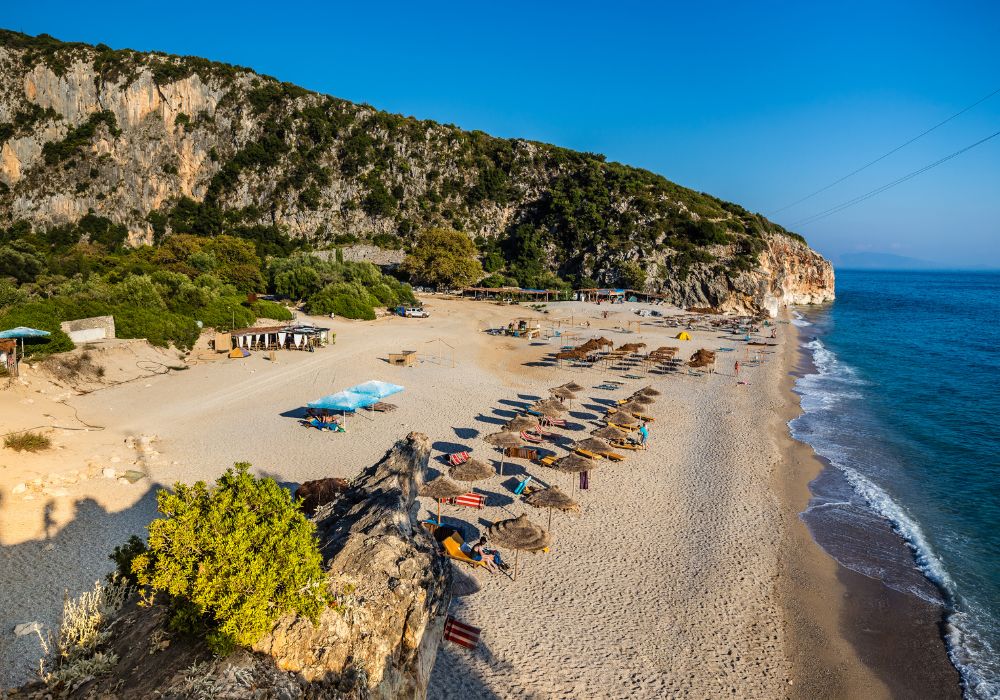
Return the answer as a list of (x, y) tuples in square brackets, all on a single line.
[(67, 366), (27, 442)]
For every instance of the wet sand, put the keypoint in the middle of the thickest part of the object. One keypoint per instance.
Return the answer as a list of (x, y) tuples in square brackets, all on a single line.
[(849, 635)]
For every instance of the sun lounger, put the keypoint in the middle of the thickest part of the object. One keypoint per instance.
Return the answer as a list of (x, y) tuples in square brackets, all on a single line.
[(528, 437), (453, 549), (458, 458), (469, 500), (382, 407), (555, 422), (613, 456), (533, 413), (461, 633), (521, 453), (625, 445), (587, 453), (644, 417), (547, 460)]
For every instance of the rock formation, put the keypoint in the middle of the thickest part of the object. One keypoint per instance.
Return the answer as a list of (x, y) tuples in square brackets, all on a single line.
[(378, 639), (163, 144)]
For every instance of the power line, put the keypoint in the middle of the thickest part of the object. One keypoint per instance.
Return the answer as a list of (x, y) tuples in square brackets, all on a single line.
[(884, 155), (883, 188)]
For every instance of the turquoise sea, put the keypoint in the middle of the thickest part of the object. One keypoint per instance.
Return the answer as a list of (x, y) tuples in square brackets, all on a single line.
[(903, 400)]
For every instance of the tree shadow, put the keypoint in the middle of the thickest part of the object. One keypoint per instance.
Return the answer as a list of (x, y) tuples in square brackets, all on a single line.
[(37, 574)]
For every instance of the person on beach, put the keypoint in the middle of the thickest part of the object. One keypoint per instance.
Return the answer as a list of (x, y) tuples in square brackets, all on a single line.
[(489, 557), (644, 436), (736, 368)]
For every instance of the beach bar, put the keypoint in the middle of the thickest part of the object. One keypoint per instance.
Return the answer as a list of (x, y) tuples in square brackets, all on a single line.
[(515, 293), (290, 337)]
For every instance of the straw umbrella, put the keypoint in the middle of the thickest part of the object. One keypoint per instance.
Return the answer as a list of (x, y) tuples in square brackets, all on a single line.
[(519, 534), (516, 425), (632, 407), (592, 444), (471, 470), (550, 498), (641, 399), (441, 487), (648, 391), (574, 464), (562, 392), (604, 342), (502, 441), (609, 432), (621, 418), (550, 408), (573, 386)]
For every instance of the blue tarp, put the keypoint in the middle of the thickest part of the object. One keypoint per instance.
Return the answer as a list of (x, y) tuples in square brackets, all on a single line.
[(22, 332), (376, 388), (344, 401)]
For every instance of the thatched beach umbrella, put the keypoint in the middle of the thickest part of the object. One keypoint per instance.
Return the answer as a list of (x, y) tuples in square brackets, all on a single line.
[(550, 408), (621, 418), (604, 342), (648, 391), (502, 441), (574, 464), (471, 470), (632, 407), (609, 432), (519, 534), (641, 399), (573, 386), (562, 393), (516, 425), (441, 487), (552, 498), (592, 444)]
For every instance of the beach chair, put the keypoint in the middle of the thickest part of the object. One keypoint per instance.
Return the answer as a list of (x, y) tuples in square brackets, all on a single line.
[(519, 489), (457, 458), (625, 445), (554, 422), (537, 414), (547, 460), (452, 545), (528, 437), (461, 633), (613, 456), (469, 500), (644, 417), (587, 453)]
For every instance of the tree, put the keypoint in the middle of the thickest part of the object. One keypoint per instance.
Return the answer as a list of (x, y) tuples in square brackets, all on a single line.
[(443, 257), (232, 559), (632, 275)]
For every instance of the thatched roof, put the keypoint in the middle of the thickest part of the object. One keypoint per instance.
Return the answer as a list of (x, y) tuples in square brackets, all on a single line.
[(552, 497), (702, 358), (570, 355), (550, 408), (648, 391), (503, 439), (632, 347), (641, 399), (591, 444), (442, 487), (622, 418), (632, 407), (516, 425), (573, 386), (604, 342), (519, 533), (574, 464), (562, 392), (472, 470), (610, 432)]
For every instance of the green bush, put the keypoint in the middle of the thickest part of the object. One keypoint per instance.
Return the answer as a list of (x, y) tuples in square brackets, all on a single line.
[(226, 313), (42, 316), (159, 327), (232, 559), (27, 442), (264, 308)]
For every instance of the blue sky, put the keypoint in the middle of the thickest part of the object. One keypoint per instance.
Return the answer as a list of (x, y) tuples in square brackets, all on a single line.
[(755, 102)]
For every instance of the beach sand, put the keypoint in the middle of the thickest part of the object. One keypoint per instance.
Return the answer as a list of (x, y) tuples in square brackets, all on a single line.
[(672, 582)]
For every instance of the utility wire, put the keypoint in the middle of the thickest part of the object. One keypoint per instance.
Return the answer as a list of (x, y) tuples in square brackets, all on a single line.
[(883, 188), (884, 155)]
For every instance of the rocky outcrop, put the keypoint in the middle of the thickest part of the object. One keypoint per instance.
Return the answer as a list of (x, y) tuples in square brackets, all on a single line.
[(378, 639), (163, 144)]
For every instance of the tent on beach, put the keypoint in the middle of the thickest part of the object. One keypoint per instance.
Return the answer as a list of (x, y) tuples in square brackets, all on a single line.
[(376, 388), (683, 335), (344, 401)]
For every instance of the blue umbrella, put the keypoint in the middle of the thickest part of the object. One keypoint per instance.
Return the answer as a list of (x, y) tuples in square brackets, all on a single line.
[(344, 401), (22, 332), (375, 388)]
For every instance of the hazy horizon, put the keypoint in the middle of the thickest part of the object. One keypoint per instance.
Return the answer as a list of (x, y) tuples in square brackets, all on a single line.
[(749, 104)]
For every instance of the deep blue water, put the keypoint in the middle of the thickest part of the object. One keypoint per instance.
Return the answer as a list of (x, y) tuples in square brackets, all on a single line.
[(905, 404)]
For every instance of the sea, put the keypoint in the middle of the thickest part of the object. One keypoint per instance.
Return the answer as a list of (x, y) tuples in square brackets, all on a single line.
[(901, 397)]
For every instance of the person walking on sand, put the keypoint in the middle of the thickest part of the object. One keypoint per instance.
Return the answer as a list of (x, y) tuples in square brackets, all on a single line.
[(736, 368), (644, 436)]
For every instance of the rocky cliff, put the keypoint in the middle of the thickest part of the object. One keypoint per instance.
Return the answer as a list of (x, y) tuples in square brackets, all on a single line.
[(378, 639), (164, 144)]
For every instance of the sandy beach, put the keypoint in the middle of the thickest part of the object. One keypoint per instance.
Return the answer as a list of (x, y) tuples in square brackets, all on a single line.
[(685, 575)]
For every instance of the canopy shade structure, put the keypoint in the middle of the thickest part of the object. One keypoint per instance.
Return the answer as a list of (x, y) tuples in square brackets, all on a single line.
[(502, 441), (621, 418), (573, 386), (610, 432), (376, 388), (472, 470), (519, 423), (23, 332), (441, 487), (344, 401), (552, 498), (519, 534), (648, 391)]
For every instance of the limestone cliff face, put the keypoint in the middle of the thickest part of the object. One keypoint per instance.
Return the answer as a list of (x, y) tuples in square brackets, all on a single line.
[(166, 144), (378, 640)]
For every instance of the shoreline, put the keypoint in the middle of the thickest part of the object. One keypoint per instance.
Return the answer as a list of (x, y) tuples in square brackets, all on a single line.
[(849, 635)]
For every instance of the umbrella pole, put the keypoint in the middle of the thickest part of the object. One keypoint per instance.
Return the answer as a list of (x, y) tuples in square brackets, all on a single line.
[(439, 511), (550, 520), (516, 553)]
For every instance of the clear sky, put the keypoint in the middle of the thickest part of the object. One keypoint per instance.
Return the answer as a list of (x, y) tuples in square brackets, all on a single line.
[(755, 102)]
